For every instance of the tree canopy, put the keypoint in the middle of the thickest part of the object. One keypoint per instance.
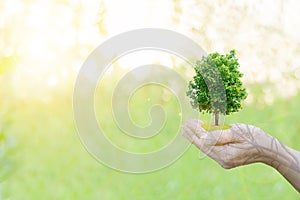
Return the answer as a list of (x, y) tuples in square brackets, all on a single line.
[(216, 87)]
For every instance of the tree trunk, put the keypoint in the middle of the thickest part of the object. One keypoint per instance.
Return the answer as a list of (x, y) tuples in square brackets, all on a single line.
[(216, 118)]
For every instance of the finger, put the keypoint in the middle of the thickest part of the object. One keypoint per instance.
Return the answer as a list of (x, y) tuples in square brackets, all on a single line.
[(201, 143), (196, 126), (221, 138), (224, 137), (195, 122), (209, 139), (205, 143), (189, 134)]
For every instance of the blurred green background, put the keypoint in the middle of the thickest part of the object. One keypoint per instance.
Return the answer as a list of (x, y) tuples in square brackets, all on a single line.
[(43, 43)]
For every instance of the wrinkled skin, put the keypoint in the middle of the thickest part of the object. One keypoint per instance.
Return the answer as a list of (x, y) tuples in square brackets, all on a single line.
[(244, 144)]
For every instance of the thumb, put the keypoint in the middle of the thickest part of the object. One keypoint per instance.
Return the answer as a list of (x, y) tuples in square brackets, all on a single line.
[(223, 137)]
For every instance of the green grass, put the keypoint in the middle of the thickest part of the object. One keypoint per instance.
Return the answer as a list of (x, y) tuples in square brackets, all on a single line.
[(51, 163), (211, 127)]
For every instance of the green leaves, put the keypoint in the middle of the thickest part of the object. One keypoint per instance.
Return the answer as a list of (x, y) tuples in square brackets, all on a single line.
[(217, 87)]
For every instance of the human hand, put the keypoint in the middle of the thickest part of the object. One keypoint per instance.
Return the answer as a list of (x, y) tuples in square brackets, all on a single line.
[(242, 144)]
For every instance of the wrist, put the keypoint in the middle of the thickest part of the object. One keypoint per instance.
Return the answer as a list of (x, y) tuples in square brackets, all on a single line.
[(276, 154)]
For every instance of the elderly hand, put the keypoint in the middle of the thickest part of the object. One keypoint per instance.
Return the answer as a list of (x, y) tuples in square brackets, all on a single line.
[(244, 144), (240, 145)]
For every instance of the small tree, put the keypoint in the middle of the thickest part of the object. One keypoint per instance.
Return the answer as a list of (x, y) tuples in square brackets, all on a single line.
[(216, 88)]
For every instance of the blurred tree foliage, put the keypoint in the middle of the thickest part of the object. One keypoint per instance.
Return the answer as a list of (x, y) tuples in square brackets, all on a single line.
[(7, 143), (43, 43), (264, 33), (7, 64)]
